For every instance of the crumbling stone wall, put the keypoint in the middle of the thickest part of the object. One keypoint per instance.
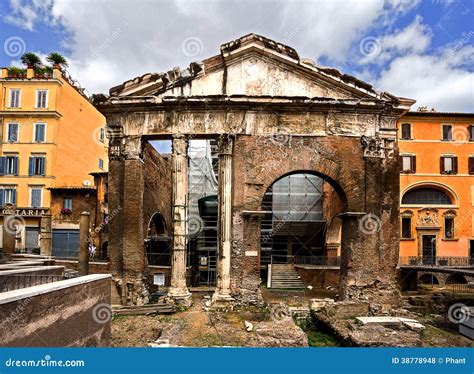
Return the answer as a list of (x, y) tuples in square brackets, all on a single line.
[(367, 186), (157, 184)]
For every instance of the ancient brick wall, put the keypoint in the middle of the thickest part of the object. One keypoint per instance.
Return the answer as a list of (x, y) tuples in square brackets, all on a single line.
[(158, 187), (368, 185), (60, 314)]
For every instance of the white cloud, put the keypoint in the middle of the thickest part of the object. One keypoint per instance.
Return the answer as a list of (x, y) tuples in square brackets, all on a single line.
[(113, 41), (415, 38), (25, 14), (434, 81), (127, 39)]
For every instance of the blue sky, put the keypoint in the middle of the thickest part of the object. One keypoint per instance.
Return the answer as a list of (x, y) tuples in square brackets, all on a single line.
[(412, 48)]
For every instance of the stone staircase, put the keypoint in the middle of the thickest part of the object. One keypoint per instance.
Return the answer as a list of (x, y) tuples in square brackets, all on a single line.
[(69, 273), (285, 276)]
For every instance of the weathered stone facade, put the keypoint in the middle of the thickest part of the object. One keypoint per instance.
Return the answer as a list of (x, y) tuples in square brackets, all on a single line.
[(274, 115)]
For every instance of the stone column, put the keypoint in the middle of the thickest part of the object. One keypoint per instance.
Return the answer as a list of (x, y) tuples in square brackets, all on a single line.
[(83, 264), (223, 292), (9, 230), (178, 292), (45, 236)]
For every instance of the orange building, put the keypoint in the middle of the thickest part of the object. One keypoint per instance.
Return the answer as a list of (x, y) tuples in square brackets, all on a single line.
[(436, 185), (51, 139)]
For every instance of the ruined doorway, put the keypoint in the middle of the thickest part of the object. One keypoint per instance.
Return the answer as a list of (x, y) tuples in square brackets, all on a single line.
[(202, 211), (158, 243), (293, 228)]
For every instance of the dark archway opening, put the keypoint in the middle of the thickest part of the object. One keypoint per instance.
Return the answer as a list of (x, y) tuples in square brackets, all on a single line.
[(158, 243), (428, 279), (456, 279), (300, 224)]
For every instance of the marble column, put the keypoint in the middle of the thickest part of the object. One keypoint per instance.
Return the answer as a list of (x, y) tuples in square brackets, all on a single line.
[(178, 291), (224, 232)]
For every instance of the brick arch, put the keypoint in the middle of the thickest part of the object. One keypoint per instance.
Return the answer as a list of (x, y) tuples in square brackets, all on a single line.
[(326, 169), (262, 161)]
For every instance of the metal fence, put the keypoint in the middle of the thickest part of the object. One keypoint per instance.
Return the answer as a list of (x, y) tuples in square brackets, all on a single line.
[(442, 261), (306, 260), (19, 281)]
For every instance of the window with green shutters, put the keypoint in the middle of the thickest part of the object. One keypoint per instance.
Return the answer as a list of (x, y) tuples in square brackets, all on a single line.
[(9, 165), (37, 165), (14, 98), (40, 132), (12, 132), (7, 195), (36, 197)]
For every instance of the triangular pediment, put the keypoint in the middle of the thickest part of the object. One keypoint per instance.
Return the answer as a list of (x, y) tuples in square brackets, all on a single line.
[(250, 66)]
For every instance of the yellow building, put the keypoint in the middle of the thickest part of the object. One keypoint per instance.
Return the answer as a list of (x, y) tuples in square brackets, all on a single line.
[(437, 187), (51, 137)]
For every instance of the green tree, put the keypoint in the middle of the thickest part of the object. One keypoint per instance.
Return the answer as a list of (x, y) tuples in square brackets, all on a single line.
[(57, 59)]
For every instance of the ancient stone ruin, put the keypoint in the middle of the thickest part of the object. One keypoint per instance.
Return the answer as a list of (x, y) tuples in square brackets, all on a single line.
[(268, 115)]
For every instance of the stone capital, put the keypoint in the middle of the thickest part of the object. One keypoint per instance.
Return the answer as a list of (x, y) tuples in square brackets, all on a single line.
[(226, 144), (180, 144)]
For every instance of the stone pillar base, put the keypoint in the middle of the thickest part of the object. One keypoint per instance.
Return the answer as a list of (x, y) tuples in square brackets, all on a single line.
[(222, 300), (180, 298)]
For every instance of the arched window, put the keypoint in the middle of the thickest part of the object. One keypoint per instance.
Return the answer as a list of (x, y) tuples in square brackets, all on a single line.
[(426, 196)]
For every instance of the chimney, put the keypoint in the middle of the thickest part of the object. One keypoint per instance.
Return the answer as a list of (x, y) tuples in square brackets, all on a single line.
[(57, 71), (30, 72), (4, 72)]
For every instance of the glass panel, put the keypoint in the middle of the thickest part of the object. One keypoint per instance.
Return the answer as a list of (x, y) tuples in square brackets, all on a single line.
[(448, 164), (430, 196), (406, 163)]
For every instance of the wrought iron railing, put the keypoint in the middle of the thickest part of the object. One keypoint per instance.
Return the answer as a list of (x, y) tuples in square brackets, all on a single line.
[(317, 260), (18, 281), (306, 260), (441, 261)]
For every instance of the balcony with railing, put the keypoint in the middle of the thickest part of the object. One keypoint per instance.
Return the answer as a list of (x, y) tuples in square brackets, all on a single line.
[(439, 261)]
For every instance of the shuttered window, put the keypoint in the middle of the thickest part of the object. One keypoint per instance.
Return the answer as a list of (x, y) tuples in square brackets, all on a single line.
[(42, 98), (67, 203), (7, 195), (40, 132), (14, 98), (12, 132), (406, 131), (471, 165), (37, 165), (408, 164), (447, 132), (471, 133), (448, 165), (406, 227), (9, 165), (36, 197)]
